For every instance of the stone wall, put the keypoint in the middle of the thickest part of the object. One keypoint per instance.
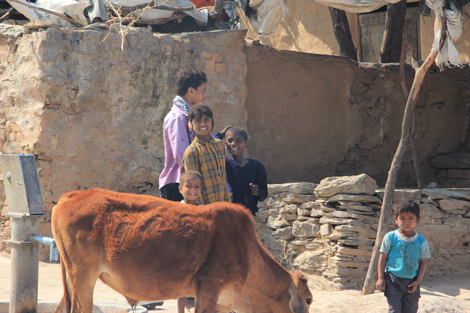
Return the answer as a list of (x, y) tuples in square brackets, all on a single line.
[(92, 111), (328, 230)]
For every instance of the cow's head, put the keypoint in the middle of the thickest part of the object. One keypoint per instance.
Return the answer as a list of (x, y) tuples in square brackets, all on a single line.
[(301, 297)]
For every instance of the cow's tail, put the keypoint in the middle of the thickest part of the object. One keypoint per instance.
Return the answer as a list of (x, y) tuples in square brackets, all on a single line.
[(65, 302)]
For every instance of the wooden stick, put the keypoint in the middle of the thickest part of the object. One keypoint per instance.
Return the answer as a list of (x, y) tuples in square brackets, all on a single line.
[(401, 73), (6, 15), (61, 15), (252, 33), (126, 10), (342, 33), (393, 34), (161, 20), (371, 278)]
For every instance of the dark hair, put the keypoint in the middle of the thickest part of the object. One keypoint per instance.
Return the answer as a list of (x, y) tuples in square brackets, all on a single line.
[(189, 174), (239, 131), (406, 206), (190, 78), (197, 111)]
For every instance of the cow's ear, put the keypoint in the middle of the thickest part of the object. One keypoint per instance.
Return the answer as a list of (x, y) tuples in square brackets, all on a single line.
[(296, 302)]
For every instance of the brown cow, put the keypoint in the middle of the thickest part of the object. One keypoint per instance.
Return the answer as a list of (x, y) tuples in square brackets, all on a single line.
[(148, 248)]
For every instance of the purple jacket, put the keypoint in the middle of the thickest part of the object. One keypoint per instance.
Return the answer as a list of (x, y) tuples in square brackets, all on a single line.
[(176, 137)]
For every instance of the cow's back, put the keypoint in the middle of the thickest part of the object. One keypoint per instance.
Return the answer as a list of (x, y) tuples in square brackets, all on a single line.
[(130, 237)]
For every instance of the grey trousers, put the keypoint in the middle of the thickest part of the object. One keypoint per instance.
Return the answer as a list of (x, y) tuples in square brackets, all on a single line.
[(398, 298)]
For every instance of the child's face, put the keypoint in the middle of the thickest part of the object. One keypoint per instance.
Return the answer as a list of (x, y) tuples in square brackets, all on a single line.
[(202, 126), (235, 144), (191, 189), (407, 222), (196, 96)]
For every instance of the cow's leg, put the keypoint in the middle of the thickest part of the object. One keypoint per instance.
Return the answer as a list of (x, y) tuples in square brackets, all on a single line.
[(82, 278), (206, 298)]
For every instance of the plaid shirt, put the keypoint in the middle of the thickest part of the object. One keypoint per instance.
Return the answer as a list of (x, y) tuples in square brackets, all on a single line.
[(208, 158)]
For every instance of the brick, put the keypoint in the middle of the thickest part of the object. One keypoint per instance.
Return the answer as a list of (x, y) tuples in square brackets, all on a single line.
[(210, 65), (206, 55), (219, 68), (217, 57)]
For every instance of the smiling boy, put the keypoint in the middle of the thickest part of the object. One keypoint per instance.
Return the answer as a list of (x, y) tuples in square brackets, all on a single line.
[(206, 155), (403, 259), (247, 178)]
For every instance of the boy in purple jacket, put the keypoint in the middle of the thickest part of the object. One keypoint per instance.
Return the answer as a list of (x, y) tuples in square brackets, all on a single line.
[(176, 135)]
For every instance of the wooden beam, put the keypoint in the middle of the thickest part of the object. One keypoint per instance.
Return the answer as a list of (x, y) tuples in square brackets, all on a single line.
[(371, 278), (393, 35), (342, 33)]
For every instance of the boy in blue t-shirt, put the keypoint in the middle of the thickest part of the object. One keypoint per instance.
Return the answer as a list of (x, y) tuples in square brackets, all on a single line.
[(402, 262)]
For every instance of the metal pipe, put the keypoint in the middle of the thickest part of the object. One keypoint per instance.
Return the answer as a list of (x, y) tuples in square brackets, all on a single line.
[(47, 241), (24, 266)]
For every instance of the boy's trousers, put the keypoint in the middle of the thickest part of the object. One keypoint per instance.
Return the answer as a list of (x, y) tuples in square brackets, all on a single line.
[(398, 298)]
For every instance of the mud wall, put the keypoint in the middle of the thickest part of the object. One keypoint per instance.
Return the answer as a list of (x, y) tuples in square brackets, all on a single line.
[(314, 116), (90, 107)]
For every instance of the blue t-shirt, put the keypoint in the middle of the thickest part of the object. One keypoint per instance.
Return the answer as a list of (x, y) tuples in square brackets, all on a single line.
[(404, 253)]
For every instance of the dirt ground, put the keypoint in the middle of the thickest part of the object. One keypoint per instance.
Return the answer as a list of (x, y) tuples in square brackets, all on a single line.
[(441, 294)]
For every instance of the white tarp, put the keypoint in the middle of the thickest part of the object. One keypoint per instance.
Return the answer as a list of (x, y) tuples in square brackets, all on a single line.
[(154, 14), (72, 8), (271, 12)]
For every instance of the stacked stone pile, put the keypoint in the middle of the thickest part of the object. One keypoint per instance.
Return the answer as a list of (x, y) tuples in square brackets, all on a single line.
[(328, 230)]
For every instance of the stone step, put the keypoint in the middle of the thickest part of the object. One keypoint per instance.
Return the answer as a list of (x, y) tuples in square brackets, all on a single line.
[(452, 161)]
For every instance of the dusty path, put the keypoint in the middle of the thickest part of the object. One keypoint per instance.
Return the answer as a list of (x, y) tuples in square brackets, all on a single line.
[(443, 294)]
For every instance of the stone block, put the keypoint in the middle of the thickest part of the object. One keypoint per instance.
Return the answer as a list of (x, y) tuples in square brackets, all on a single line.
[(427, 209), (316, 213), (440, 193), (450, 205), (290, 217), (358, 184), (354, 198), (288, 209), (310, 205), (277, 223), (349, 251), (263, 215), (312, 260), (283, 233), (305, 229), (303, 212), (298, 188), (325, 229), (402, 194), (292, 199)]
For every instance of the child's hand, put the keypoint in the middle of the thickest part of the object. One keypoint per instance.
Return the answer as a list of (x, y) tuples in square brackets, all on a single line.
[(254, 190), (380, 285), (412, 287), (225, 130)]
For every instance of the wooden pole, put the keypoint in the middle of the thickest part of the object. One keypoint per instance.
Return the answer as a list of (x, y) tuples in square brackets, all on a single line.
[(401, 73), (371, 278), (392, 40), (342, 33)]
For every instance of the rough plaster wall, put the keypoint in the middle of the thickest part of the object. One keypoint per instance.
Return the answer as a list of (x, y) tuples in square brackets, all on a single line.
[(92, 113), (323, 116)]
